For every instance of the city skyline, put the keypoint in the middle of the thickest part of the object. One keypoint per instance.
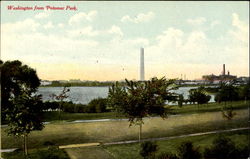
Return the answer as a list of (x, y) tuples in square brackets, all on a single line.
[(102, 40)]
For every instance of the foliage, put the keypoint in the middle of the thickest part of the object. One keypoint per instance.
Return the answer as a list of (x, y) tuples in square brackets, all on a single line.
[(224, 148), (148, 150), (74, 108), (165, 155), (25, 115), (187, 151), (227, 92), (141, 99), (52, 153), (61, 97), (21, 106), (180, 100), (50, 105), (98, 105), (244, 92), (15, 78), (198, 95)]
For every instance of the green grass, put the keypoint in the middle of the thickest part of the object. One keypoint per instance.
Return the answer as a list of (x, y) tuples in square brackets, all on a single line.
[(74, 133), (54, 116), (185, 109), (38, 154), (131, 151), (210, 107), (88, 153)]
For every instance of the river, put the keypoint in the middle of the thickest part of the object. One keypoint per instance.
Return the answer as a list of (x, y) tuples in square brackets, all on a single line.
[(84, 95)]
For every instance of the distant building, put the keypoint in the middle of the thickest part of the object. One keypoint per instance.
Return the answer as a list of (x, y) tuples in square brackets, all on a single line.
[(223, 77), (45, 82)]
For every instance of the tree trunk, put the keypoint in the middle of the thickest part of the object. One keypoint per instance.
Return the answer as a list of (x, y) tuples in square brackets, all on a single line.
[(140, 129), (60, 105), (25, 144)]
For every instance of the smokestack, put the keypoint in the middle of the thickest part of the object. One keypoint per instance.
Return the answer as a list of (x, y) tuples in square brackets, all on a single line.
[(224, 68), (142, 65)]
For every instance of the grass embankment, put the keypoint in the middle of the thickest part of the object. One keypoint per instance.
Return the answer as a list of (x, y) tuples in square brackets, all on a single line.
[(131, 151), (185, 109), (75, 133)]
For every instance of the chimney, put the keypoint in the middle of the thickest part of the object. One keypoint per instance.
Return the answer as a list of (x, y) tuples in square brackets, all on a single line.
[(142, 65), (224, 68)]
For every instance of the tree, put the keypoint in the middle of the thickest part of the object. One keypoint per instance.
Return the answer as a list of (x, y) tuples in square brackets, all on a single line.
[(140, 99), (198, 96), (180, 100), (21, 107), (98, 105), (61, 97), (227, 92), (24, 115), (15, 77)]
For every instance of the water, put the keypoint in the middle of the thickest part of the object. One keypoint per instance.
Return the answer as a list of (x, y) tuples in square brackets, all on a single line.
[(84, 95)]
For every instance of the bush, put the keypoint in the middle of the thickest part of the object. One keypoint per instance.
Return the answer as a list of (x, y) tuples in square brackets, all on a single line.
[(187, 151), (165, 155), (48, 105), (148, 149), (224, 148), (98, 105)]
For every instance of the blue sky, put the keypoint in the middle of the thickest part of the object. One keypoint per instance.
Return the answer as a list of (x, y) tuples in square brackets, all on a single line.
[(102, 40)]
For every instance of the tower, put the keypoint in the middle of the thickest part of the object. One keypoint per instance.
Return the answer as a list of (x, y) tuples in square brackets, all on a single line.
[(142, 65)]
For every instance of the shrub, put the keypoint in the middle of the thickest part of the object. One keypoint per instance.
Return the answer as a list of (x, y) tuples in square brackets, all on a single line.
[(97, 105), (165, 155), (187, 151), (224, 148), (48, 105), (148, 149)]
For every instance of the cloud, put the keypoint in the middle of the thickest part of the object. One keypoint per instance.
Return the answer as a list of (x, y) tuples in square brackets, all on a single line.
[(170, 38), (115, 30), (49, 25), (60, 25), (77, 18), (197, 21), (26, 25), (86, 31), (241, 29), (42, 15), (141, 17), (214, 23)]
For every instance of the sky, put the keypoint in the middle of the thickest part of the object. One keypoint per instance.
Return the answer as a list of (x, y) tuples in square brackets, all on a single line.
[(102, 40)]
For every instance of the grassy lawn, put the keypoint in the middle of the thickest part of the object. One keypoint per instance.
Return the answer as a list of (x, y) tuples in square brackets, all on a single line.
[(131, 151), (54, 116), (185, 109), (210, 107), (74, 133), (88, 153), (54, 153)]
